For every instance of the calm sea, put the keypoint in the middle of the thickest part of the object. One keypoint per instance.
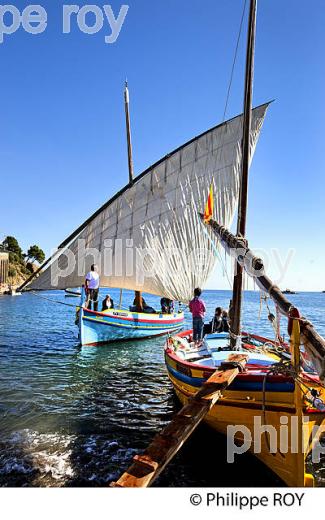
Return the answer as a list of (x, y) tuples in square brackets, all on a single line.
[(75, 416)]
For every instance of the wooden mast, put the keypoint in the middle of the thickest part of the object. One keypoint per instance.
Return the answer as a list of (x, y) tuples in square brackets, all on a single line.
[(128, 131), (138, 297), (235, 316)]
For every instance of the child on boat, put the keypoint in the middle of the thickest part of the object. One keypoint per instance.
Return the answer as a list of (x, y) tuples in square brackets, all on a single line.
[(198, 309)]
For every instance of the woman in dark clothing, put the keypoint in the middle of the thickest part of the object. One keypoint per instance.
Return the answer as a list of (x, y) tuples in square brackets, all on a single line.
[(225, 322), (216, 324), (107, 303)]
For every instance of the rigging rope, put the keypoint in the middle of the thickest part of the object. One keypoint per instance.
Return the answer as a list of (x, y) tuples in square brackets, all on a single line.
[(274, 320), (53, 301), (234, 62), (285, 368), (215, 249), (123, 307)]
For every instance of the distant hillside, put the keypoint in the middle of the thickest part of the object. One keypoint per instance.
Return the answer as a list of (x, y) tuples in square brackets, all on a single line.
[(19, 272)]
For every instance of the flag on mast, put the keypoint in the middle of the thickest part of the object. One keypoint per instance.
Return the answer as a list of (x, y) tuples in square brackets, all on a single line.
[(208, 212)]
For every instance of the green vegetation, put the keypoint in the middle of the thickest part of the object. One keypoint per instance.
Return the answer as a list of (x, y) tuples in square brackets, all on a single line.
[(12, 272), (21, 265), (35, 253), (11, 244)]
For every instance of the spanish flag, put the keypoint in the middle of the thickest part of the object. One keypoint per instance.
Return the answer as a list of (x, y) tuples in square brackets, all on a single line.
[(208, 212)]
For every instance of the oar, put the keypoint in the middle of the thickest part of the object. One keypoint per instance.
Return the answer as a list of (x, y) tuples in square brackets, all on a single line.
[(148, 466)]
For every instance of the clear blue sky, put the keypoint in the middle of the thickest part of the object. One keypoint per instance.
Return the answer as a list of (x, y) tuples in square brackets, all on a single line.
[(62, 137)]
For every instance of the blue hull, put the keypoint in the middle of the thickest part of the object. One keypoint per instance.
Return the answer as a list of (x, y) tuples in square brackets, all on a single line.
[(117, 325)]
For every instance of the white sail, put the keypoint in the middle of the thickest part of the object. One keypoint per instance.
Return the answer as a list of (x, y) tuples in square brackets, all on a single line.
[(148, 237)]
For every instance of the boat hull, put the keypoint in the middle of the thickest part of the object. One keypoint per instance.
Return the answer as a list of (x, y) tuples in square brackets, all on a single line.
[(121, 325), (243, 407)]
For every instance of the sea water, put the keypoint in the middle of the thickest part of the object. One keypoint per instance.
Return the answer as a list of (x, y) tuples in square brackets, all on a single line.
[(75, 416)]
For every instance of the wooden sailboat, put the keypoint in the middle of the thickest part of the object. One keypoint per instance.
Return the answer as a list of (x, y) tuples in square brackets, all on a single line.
[(281, 384), (121, 325), (112, 324), (147, 237), (278, 386)]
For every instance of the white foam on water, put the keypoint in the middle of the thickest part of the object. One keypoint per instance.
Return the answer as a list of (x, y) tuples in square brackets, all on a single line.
[(29, 452), (28, 457)]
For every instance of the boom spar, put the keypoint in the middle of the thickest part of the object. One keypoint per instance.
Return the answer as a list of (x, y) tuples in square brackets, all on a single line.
[(313, 342)]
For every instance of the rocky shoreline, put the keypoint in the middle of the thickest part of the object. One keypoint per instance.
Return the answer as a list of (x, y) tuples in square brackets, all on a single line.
[(7, 289)]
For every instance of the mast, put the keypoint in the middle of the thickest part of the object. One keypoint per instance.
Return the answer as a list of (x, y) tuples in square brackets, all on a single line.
[(128, 131), (138, 297), (242, 208)]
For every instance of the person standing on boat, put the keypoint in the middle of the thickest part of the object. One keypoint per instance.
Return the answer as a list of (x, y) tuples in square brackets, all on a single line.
[(92, 287), (198, 309)]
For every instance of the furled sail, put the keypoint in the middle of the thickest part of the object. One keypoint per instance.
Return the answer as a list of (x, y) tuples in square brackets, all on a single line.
[(149, 237)]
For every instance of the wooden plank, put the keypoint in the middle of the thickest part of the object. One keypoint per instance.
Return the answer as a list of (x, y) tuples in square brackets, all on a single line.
[(148, 466)]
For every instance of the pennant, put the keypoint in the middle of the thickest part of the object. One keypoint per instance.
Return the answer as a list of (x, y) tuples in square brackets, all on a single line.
[(208, 212)]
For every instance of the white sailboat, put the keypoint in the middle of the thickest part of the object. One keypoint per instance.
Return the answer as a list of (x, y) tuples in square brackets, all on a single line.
[(148, 237)]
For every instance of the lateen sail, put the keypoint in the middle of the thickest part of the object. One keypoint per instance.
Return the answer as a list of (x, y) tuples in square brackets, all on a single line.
[(149, 237)]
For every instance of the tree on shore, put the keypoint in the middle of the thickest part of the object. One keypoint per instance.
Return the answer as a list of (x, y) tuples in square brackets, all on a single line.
[(20, 264), (11, 244), (35, 253)]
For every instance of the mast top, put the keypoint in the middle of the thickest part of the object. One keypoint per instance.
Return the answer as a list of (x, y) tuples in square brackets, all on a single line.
[(126, 92)]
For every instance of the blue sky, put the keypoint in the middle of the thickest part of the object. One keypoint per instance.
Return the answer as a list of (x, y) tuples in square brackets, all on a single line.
[(62, 137)]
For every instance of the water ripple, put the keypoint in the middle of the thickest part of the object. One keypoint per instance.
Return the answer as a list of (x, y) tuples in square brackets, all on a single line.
[(72, 416)]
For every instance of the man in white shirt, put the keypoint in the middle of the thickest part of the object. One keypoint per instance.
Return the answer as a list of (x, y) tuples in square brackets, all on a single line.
[(92, 287)]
